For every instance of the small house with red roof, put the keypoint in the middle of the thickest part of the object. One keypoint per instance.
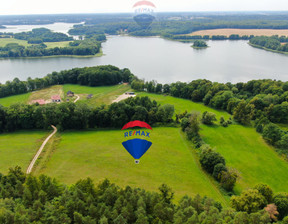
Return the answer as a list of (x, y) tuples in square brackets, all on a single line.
[(56, 98)]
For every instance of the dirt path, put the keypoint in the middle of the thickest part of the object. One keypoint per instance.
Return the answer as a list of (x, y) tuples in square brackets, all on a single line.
[(78, 97), (122, 97), (40, 150)]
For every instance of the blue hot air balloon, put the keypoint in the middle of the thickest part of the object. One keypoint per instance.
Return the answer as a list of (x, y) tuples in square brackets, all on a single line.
[(137, 147)]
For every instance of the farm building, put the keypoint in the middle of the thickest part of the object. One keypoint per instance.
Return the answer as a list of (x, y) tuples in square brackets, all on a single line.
[(89, 96), (40, 101), (70, 93), (56, 98)]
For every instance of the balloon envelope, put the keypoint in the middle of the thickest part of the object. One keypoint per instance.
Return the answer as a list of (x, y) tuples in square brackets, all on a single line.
[(137, 147), (144, 13)]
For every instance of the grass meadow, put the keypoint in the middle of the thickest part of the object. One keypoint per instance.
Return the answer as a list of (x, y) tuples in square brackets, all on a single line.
[(46, 93), (182, 104), (4, 41), (100, 154), (101, 94), (19, 148), (9, 100), (244, 149)]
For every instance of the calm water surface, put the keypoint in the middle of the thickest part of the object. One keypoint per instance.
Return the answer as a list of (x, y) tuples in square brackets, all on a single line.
[(165, 61)]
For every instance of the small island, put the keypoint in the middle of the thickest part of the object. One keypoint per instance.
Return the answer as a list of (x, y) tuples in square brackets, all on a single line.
[(2, 27), (199, 44)]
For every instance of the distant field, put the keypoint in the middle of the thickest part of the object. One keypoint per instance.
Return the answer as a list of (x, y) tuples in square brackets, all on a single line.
[(101, 94), (18, 148), (244, 149), (182, 104), (99, 155), (241, 32), (4, 41), (22, 98), (57, 44)]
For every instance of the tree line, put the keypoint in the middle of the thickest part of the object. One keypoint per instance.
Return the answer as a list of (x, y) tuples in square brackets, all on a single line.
[(185, 25), (272, 43), (187, 38), (260, 102), (89, 46), (82, 116), (28, 199), (89, 76), (211, 161), (40, 35)]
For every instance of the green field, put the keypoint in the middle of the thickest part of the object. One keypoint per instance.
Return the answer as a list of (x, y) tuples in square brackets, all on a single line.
[(57, 44), (99, 155), (22, 98), (244, 149), (4, 41), (101, 94), (182, 104), (19, 148)]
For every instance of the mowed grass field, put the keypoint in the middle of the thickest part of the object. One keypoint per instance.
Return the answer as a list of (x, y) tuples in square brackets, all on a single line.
[(22, 98), (101, 94), (19, 148), (4, 41), (244, 149), (181, 105), (100, 154), (241, 32), (46, 93)]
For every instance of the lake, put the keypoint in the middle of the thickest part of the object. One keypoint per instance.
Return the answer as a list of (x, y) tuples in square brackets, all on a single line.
[(165, 61)]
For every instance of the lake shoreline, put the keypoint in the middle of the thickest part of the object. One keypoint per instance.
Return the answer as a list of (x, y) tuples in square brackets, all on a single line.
[(267, 49), (100, 54)]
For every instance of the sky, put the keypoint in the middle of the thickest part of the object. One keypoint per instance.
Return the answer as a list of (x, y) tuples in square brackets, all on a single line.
[(20, 7)]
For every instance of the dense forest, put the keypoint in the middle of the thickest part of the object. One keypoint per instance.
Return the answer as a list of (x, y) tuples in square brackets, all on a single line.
[(185, 23), (192, 38), (89, 76), (271, 43), (258, 102), (89, 46), (82, 116), (40, 35), (28, 199)]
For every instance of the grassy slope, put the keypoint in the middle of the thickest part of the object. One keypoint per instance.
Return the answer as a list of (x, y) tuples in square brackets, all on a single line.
[(99, 155), (101, 94), (181, 104), (22, 98), (47, 93), (245, 150), (4, 41), (18, 148)]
